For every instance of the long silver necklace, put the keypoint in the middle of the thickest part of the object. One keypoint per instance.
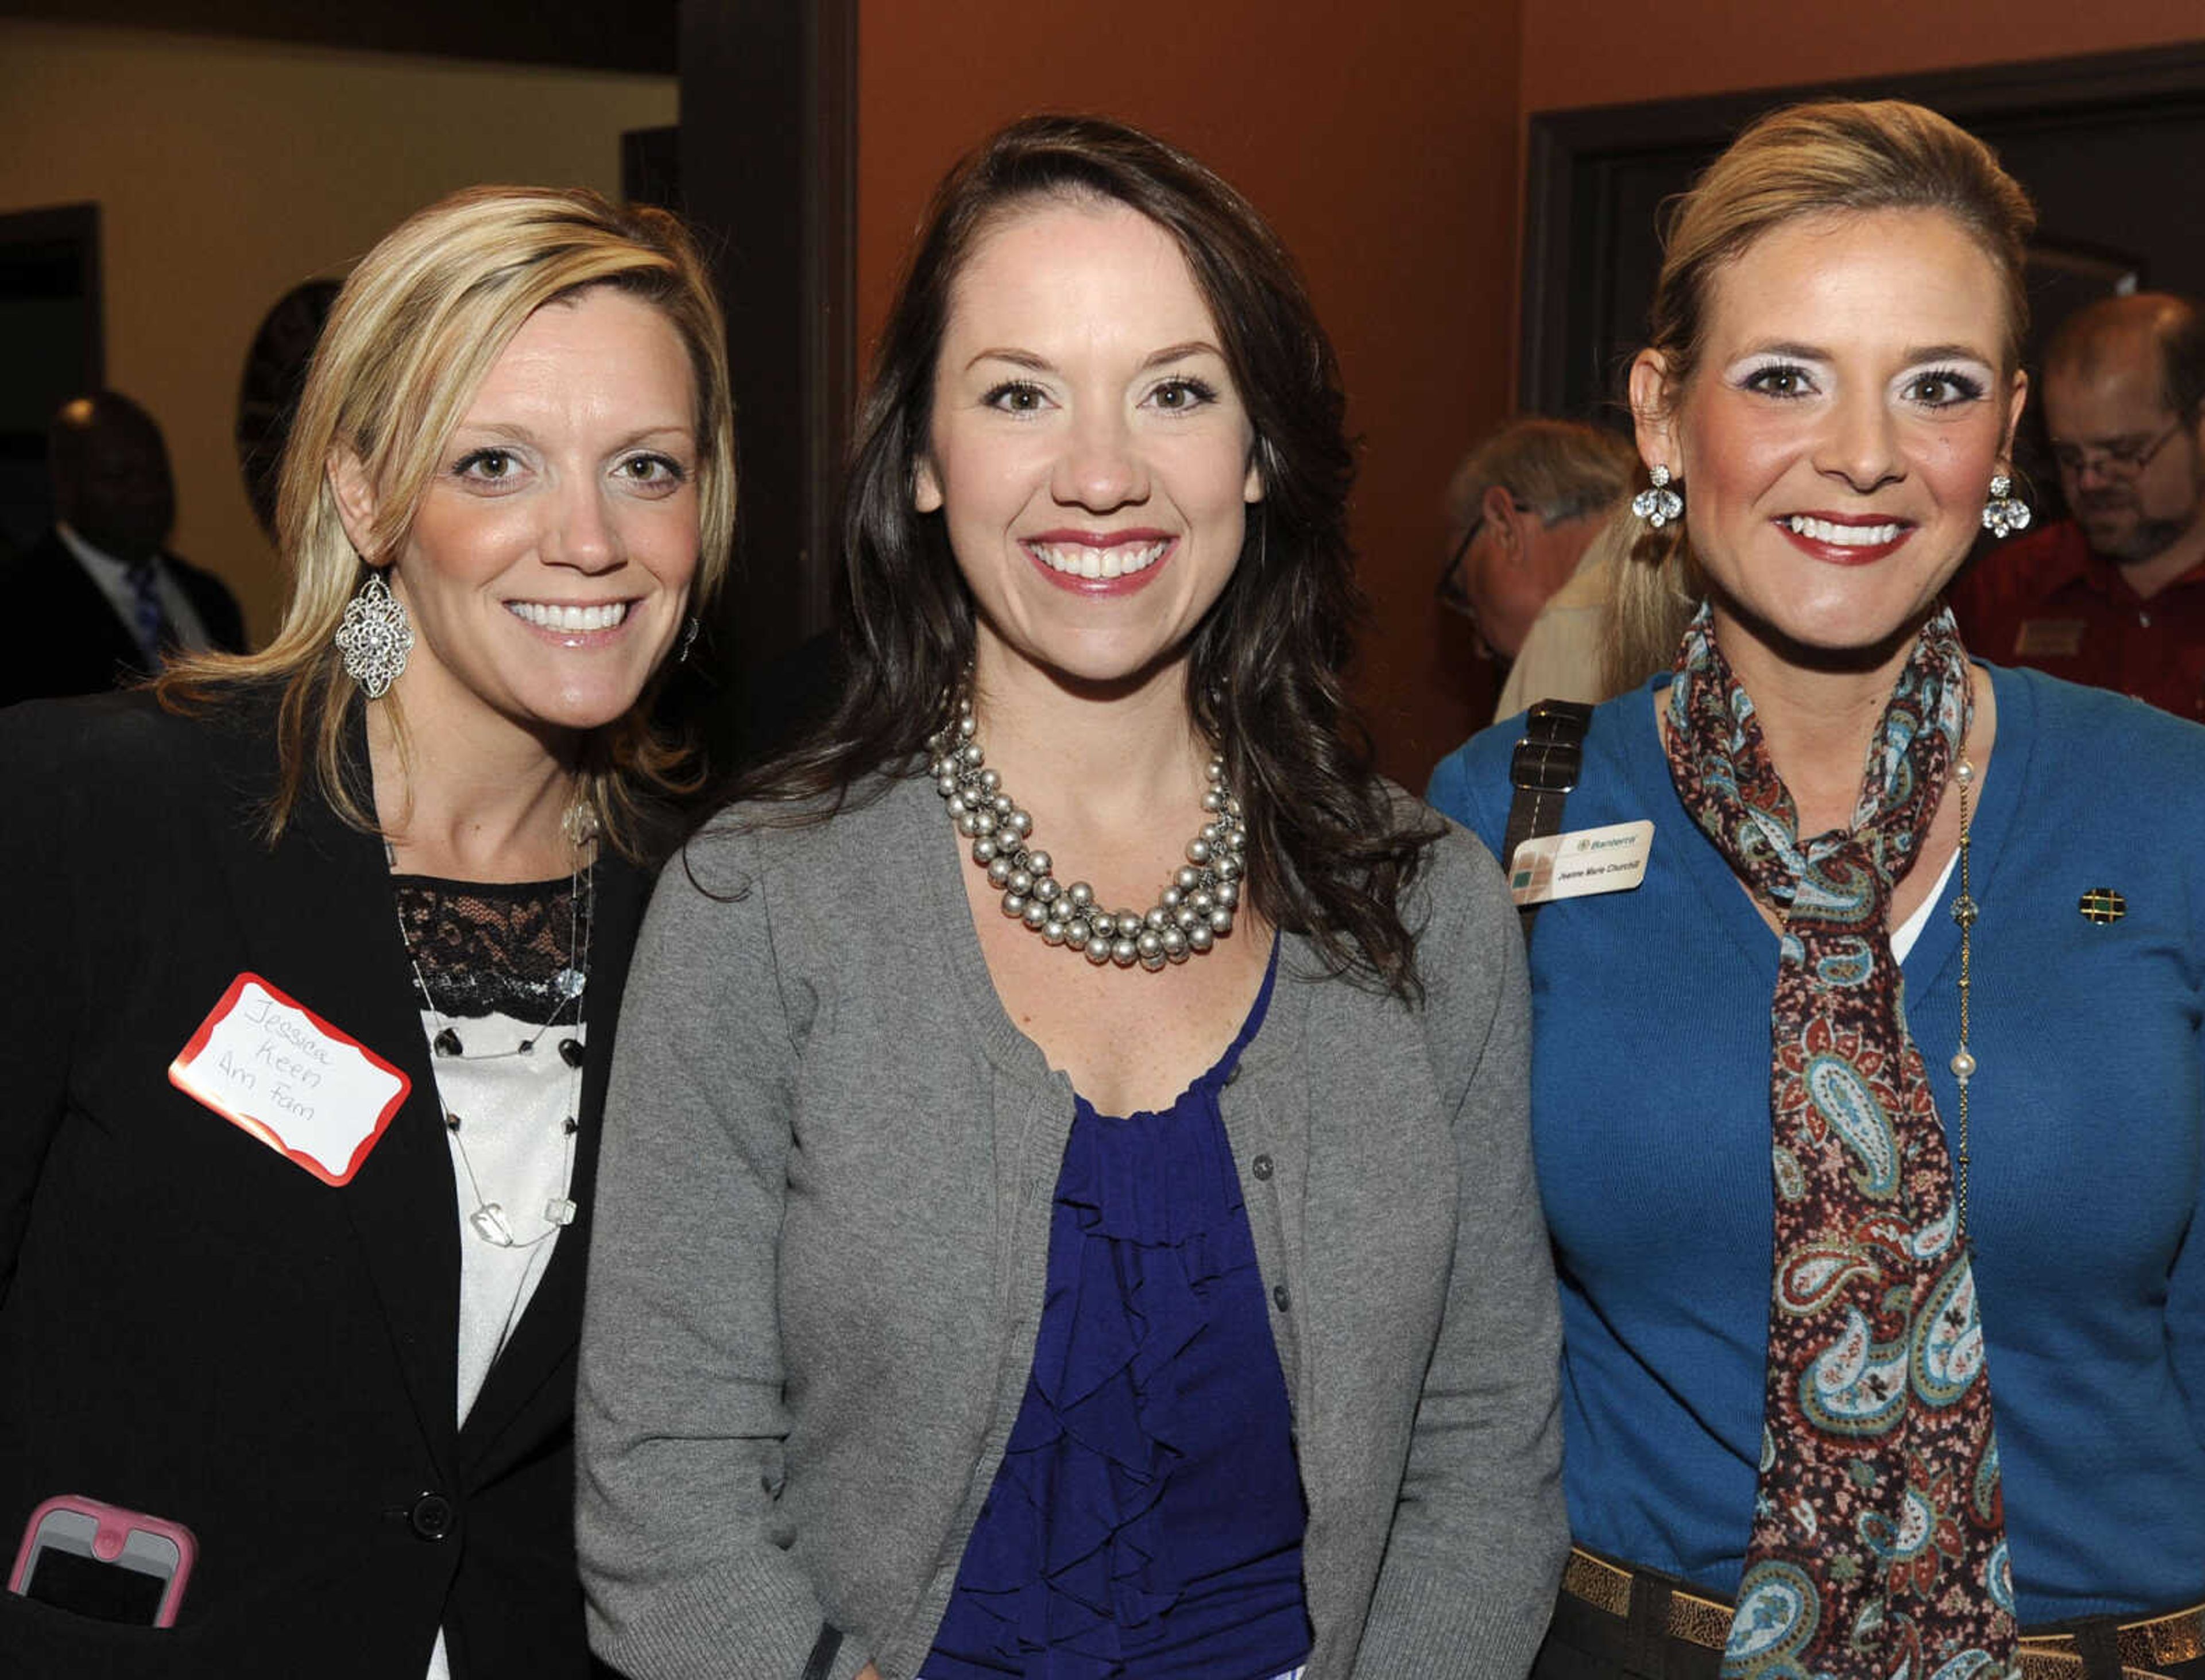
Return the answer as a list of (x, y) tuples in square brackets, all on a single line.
[(1964, 911), (488, 1219), (1188, 917)]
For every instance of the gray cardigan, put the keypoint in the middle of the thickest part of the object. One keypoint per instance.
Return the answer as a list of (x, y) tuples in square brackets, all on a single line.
[(821, 1244)]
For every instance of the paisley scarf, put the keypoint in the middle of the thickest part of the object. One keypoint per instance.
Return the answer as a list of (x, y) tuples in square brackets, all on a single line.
[(1879, 1539)]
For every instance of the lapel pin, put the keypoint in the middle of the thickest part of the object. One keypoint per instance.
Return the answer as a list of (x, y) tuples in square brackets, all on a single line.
[(2102, 905)]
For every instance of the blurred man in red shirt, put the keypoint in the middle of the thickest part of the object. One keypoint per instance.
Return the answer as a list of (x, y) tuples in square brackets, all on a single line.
[(2115, 597)]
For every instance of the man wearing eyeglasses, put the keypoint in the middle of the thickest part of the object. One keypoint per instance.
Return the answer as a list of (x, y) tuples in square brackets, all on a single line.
[(2115, 596), (1522, 508)]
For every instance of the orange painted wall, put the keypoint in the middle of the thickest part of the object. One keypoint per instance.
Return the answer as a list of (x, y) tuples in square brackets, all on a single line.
[(1380, 140), (1384, 141), (1600, 52)]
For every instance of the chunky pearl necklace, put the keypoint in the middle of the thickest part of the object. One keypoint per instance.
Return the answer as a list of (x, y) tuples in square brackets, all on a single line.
[(1187, 918)]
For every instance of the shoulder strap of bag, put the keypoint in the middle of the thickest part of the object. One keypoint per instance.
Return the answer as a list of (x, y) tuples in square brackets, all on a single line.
[(1544, 768), (824, 1652)]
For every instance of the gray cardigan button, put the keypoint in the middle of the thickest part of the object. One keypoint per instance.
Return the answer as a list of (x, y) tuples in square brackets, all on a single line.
[(1260, 1166), (1280, 1298)]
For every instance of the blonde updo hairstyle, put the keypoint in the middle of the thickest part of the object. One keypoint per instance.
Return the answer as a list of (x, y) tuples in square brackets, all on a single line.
[(412, 334), (1838, 158)]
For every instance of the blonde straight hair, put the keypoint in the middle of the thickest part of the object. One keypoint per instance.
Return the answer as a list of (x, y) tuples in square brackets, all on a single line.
[(410, 338), (1838, 158)]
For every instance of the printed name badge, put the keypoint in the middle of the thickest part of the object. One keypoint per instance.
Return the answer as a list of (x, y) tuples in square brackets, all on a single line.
[(1584, 862), (2049, 638), (268, 1064)]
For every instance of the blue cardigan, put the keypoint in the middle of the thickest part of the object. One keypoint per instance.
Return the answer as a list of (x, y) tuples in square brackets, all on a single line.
[(1650, 1123)]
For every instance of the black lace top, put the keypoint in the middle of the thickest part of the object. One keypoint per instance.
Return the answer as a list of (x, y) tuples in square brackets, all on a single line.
[(496, 947)]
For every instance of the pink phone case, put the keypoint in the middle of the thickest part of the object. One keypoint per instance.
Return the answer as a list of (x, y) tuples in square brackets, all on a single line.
[(113, 1533)]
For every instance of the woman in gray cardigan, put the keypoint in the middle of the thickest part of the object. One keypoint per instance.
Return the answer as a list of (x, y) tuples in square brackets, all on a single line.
[(991, 1280)]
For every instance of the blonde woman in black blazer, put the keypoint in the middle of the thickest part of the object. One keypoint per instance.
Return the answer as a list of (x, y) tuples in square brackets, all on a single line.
[(313, 958)]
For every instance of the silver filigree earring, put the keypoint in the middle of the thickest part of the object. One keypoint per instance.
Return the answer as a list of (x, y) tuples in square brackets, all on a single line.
[(375, 636), (688, 640), (2005, 513), (1658, 505)]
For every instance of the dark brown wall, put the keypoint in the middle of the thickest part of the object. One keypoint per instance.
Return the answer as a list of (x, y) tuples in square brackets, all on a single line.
[(575, 32)]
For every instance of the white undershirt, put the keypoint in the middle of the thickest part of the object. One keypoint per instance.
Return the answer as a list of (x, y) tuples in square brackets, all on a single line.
[(512, 1110), (1903, 936)]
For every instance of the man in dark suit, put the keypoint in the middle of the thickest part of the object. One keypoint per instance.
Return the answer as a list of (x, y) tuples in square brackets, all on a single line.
[(100, 600)]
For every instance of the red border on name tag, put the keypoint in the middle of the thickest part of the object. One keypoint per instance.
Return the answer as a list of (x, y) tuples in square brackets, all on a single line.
[(260, 1128)]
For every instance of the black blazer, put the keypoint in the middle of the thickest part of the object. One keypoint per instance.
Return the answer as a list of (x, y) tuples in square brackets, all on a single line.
[(193, 1326), (80, 646)]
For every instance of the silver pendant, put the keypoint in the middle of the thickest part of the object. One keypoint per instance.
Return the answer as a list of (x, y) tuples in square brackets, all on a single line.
[(568, 982), (374, 637)]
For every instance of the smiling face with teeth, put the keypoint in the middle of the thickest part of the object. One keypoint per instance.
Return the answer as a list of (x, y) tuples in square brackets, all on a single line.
[(1087, 451), (548, 568), (1836, 437)]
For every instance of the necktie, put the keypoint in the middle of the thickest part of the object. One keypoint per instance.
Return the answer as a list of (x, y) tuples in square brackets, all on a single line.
[(147, 621)]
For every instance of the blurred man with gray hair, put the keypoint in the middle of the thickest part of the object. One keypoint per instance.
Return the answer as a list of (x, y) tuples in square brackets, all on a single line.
[(1523, 506)]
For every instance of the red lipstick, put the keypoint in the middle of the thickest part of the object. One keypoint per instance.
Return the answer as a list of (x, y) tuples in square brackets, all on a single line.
[(1845, 539), (1061, 556)]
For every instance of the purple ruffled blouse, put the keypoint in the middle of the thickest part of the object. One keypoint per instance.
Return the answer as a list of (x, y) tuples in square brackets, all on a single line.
[(1146, 1524)]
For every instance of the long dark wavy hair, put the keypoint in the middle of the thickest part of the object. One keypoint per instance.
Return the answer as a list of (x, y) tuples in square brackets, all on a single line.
[(1331, 849)]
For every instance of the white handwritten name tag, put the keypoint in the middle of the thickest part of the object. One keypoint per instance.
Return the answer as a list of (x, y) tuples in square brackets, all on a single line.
[(1586, 861), (267, 1063)]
